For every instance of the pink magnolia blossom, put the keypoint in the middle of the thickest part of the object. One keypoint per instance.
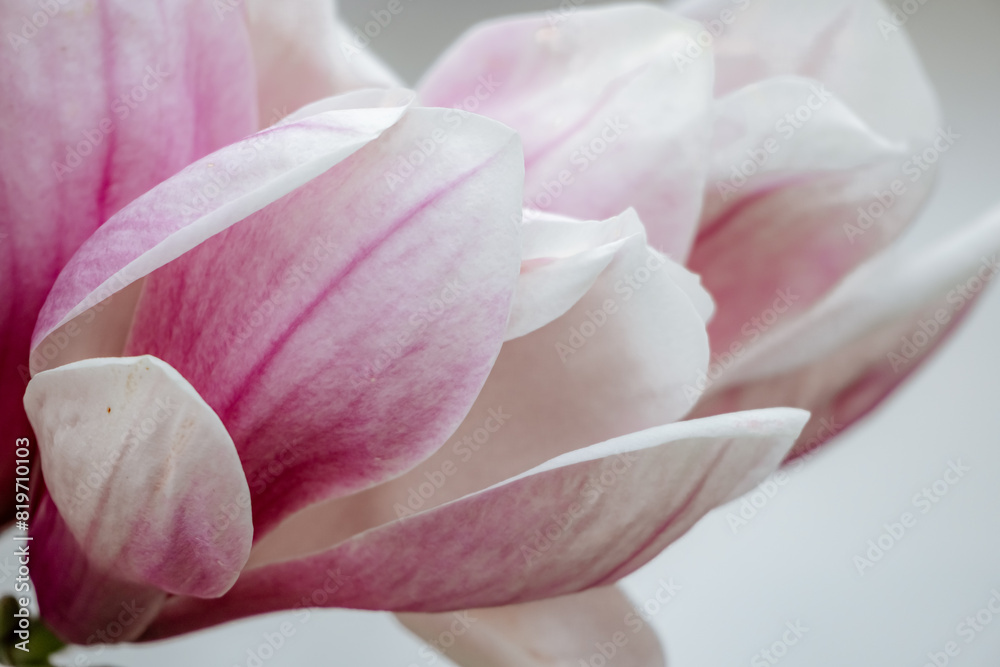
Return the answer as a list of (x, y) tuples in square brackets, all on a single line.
[(439, 351)]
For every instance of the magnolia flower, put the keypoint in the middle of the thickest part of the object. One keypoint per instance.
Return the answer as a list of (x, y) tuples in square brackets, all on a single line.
[(435, 352)]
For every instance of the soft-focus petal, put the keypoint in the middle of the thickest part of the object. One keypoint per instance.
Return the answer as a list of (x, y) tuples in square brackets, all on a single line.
[(199, 202), (792, 169), (370, 313), (617, 362), (841, 358), (582, 520), (100, 102), (561, 260), (303, 54), (371, 304), (140, 469), (842, 43), (557, 632), (608, 117)]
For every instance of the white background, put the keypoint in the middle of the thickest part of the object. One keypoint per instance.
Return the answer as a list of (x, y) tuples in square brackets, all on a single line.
[(794, 561)]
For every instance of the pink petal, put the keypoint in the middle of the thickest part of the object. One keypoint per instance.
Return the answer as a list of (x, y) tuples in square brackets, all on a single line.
[(848, 352), (608, 118), (199, 202), (785, 206), (142, 472), (584, 628), (582, 520), (561, 259), (101, 101), (844, 44), (342, 331), (615, 363), (369, 313), (303, 53)]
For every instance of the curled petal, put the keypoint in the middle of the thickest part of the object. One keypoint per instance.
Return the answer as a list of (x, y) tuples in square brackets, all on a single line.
[(618, 361), (581, 520), (141, 471), (371, 312), (546, 633), (609, 116), (561, 260), (90, 307), (784, 216), (849, 351), (374, 292), (854, 47), (101, 101)]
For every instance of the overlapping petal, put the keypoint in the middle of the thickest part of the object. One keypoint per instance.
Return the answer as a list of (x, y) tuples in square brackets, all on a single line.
[(559, 631), (844, 355), (376, 283), (615, 363), (800, 192), (609, 117), (853, 47), (581, 520), (101, 102), (141, 471)]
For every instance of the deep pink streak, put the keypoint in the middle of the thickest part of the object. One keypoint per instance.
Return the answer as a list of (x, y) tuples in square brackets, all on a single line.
[(262, 364)]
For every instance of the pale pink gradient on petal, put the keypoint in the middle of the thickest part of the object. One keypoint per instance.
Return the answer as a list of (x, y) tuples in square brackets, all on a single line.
[(141, 471), (615, 363), (558, 631), (841, 358), (197, 203), (105, 101), (840, 43), (781, 220), (369, 314), (582, 520), (608, 118)]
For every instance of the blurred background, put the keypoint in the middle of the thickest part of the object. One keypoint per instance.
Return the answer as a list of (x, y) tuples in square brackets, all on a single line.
[(794, 561)]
